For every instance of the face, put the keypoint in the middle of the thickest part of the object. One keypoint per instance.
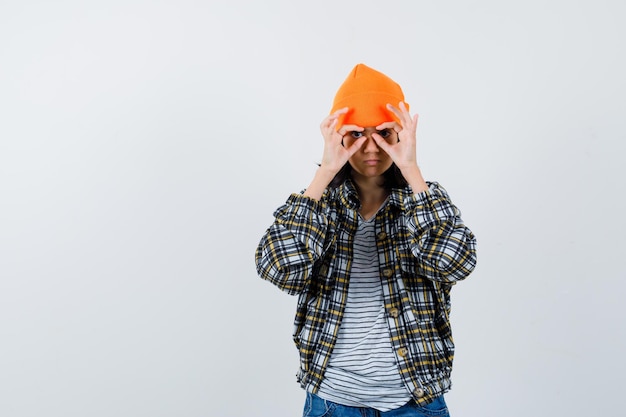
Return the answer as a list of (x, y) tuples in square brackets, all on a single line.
[(370, 160)]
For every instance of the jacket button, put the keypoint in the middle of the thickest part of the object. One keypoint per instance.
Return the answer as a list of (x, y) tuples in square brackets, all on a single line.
[(388, 272), (418, 392), (394, 312), (382, 235), (403, 351)]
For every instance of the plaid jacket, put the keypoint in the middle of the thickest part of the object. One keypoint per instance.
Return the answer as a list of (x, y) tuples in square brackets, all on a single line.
[(423, 249)]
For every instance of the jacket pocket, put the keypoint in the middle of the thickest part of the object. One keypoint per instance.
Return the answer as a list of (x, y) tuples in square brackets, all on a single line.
[(436, 350)]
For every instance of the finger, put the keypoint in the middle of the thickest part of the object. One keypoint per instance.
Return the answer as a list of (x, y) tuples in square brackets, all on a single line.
[(327, 122), (333, 124), (390, 125), (402, 115), (412, 123), (335, 115), (350, 128), (405, 111), (352, 149), (341, 111), (382, 144), (394, 110), (327, 125)]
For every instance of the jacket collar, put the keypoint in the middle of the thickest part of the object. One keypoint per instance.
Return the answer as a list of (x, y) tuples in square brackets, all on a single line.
[(350, 197)]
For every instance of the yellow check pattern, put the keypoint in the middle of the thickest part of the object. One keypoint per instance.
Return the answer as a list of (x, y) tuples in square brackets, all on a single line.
[(423, 247)]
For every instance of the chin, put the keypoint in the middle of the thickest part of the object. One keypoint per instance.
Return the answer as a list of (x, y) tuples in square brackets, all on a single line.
[(371, 172)]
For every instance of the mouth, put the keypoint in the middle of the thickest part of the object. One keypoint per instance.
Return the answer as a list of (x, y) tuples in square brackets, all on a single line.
[(371, 162)]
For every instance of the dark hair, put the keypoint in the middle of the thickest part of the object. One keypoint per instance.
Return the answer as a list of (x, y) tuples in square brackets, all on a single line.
[(393, 177)]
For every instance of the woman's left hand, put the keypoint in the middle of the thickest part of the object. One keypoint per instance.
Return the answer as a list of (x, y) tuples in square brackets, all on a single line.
[(404, 152)]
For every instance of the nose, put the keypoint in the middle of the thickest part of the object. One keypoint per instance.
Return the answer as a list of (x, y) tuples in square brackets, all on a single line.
[(370, 145)]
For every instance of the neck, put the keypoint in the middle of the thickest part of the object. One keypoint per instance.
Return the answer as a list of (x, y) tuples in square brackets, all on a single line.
[(370, 189)]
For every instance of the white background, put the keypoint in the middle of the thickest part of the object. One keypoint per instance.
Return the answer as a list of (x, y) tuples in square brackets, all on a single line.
[(145, 144)]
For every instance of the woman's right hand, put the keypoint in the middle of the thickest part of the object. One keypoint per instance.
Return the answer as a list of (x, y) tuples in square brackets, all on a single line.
[(336, 155)]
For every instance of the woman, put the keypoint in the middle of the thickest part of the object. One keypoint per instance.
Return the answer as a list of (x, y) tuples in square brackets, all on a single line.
[(372, 250)]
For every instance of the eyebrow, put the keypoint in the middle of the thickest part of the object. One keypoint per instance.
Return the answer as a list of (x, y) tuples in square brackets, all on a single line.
[(365, 129)]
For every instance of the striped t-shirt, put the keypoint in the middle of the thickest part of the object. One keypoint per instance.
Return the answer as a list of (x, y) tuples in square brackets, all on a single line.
[(362, 370)]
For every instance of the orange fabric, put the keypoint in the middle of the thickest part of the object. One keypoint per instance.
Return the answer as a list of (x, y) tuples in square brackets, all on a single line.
[(366, 92)]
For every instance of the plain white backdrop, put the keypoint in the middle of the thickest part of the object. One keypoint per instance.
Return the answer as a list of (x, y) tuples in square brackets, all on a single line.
[(145, 144)]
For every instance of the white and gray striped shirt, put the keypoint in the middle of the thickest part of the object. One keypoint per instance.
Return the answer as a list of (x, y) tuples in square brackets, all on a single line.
[(362, 371)]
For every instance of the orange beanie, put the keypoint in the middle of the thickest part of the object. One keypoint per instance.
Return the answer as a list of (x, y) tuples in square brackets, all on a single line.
[(366, 92)]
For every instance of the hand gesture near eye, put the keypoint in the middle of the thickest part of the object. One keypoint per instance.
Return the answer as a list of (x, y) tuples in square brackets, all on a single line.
[(404, 152), (335, 155)]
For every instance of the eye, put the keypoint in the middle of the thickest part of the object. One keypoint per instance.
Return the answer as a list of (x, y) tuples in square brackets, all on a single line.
[(385, 133), (356, 134)]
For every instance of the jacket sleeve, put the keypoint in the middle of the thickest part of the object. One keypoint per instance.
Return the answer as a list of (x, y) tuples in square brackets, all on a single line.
[(444, 247), (289, 248)]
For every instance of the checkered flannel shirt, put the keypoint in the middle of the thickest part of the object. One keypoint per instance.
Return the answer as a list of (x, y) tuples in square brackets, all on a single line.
[(423, 249)]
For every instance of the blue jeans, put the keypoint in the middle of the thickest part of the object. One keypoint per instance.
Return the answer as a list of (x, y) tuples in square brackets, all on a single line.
[(315, 406)]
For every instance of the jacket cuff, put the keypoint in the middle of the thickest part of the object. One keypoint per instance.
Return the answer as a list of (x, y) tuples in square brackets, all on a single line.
[(429, 208), (298, 205)]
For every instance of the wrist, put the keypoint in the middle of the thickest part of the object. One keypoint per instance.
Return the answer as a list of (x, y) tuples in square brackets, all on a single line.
[(413, 176), (321, 179), (325, 174)]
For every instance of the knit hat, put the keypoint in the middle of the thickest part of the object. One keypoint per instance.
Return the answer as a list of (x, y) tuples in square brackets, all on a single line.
[(366, 92)]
